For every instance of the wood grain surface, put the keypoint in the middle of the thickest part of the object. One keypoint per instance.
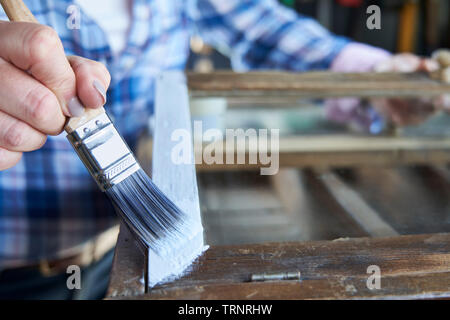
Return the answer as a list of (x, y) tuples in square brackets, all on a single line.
[(412, 266), (314, 84), (337, 150)]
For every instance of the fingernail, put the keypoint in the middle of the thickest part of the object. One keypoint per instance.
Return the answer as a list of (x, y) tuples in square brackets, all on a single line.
[(76, 109), (100, 89)]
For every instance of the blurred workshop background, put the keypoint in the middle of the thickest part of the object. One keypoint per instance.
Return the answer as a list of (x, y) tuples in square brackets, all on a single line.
[(299, 202), (417, 26)]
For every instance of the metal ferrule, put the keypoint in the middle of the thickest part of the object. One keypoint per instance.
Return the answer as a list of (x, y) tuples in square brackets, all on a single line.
[(103, 151)]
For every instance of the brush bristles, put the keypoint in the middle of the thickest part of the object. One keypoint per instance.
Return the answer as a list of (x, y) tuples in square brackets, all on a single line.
[(148, 212)]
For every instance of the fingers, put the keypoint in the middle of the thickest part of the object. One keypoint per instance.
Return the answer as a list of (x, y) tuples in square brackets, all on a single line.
[(26, 99), (16, 135), (403, 112), (408, 111), (92, 79), (404, 62), (442, 56), (429, 65), (8, 158), (38, 50), (39, 88)]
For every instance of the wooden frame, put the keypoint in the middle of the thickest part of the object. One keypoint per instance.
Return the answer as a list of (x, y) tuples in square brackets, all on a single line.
[(170, 91), (327, 150), (314, 84), (412, 266), (339, 150)]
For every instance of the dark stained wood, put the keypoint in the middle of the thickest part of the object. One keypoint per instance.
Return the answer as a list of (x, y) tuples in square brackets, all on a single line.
[(245, 207), (341, 151), (412, 200), (128, 267), (288, 185), (331, 288), (443, 172), (416, 266), (413, 266), (314, 84), (363, 214)]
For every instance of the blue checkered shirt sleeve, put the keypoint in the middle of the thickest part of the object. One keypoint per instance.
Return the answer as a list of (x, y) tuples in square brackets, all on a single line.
[(263, 34), (48, 202)]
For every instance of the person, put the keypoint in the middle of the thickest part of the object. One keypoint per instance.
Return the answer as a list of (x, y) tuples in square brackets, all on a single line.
[(51, 212)]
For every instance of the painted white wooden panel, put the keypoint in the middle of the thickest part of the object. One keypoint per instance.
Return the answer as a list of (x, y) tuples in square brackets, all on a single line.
[(177, 181)]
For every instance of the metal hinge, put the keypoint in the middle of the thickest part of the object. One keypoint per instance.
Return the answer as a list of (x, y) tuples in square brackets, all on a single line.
[(275, 276)]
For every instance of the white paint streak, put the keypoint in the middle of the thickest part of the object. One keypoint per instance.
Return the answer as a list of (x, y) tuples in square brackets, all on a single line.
[(177, 181)]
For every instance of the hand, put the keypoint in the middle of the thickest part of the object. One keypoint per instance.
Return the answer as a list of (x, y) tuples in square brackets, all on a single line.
[(39, 87), (350, 111), (412, 110)]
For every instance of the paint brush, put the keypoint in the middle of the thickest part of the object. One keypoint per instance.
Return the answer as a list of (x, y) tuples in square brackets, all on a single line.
[(146, 210)]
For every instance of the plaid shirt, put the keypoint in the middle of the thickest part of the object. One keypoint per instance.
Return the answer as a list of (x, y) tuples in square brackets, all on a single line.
[(48, 202)]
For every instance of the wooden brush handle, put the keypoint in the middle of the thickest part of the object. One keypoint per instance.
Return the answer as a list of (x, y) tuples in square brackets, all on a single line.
[(75, 122), (16, 10)]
